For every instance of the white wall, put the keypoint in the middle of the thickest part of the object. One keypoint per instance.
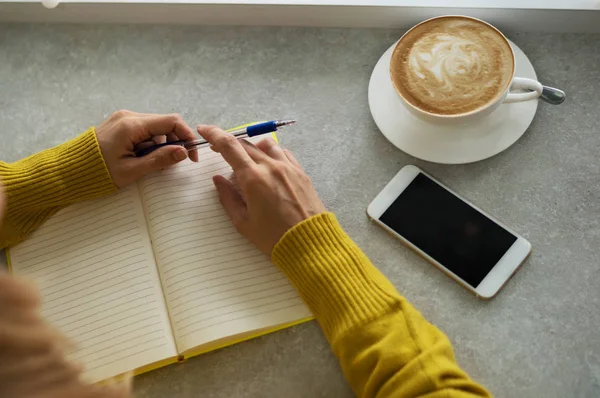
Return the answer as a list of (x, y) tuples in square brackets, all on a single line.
[(307, 13)]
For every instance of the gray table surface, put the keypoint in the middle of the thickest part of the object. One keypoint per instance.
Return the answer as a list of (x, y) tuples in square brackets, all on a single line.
[(538, 338)]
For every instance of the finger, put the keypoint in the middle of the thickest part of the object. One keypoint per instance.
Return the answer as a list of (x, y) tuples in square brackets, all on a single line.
[(271, 148), (227, 145), (27, 339), (291, 157), (159, 139), (147, 144), (232, 200), (161, 158), (80, 390), (166, 124), (17, 293), (42, 372), (173, 136), (193, 154), (119, 387), (256, 154)]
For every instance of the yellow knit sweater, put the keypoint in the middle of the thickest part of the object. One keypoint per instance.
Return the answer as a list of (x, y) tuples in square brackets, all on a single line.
[(385, 347)]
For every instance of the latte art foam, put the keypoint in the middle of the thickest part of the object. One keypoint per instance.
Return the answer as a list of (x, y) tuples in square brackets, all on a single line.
[(450, 59), (452, 65)]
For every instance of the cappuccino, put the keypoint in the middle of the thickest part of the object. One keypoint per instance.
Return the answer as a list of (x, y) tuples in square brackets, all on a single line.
[(452, 65)]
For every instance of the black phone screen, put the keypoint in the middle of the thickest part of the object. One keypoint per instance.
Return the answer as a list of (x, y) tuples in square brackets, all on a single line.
[(447, 229)]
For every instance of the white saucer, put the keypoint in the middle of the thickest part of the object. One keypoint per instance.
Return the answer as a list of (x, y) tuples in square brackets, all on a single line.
[(448, 144)]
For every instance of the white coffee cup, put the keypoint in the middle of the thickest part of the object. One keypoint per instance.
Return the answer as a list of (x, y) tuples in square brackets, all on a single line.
[(533, 89)]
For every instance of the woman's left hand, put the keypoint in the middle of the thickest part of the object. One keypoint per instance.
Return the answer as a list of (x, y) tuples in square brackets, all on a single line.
[(124, 130), (32, 354)]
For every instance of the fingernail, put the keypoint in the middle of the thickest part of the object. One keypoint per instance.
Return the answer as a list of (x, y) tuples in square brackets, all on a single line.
[(180, 154)]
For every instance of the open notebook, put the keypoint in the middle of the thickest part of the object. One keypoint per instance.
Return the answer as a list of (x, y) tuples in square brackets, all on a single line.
[(154, 274)]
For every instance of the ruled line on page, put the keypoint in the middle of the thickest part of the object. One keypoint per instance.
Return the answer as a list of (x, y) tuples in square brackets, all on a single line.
[(209, 272), (94, 266)]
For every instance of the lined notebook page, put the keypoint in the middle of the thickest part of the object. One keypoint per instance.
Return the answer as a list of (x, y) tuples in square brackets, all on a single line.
[(95, 270), (216, 283)]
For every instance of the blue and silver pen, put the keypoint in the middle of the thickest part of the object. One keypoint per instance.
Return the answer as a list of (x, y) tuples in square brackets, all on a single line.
[(250, 131)]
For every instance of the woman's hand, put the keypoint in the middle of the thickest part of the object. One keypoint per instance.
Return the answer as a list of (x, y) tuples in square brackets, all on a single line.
[(276, 194), (124, 130), (32, 354)]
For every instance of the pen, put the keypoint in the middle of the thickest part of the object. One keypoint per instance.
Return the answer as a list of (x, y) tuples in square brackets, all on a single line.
[(250, 131)]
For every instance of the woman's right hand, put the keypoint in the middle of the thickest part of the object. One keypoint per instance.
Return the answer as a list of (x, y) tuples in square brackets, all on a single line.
[(274, 192)]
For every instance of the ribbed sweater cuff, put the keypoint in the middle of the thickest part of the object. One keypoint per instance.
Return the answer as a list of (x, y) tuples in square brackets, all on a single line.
[(333, 276), (57, 177)]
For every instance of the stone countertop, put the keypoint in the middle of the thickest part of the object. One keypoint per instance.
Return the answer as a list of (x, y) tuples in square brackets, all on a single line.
[(538, 338)]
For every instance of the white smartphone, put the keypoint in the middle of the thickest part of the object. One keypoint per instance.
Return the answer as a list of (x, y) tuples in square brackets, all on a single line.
[(468, 245)]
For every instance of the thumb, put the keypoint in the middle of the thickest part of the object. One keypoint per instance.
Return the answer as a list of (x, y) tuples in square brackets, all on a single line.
[(161, 158), (231, 199)]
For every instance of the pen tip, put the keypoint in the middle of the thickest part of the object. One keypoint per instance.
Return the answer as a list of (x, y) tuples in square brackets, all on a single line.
[(281, 123)]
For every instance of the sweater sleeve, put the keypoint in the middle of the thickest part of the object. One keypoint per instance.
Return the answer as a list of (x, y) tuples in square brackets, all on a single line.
[(386, 348), (40, 185)]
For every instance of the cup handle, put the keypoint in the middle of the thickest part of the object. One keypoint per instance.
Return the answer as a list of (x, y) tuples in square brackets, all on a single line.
[(524, 84)]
